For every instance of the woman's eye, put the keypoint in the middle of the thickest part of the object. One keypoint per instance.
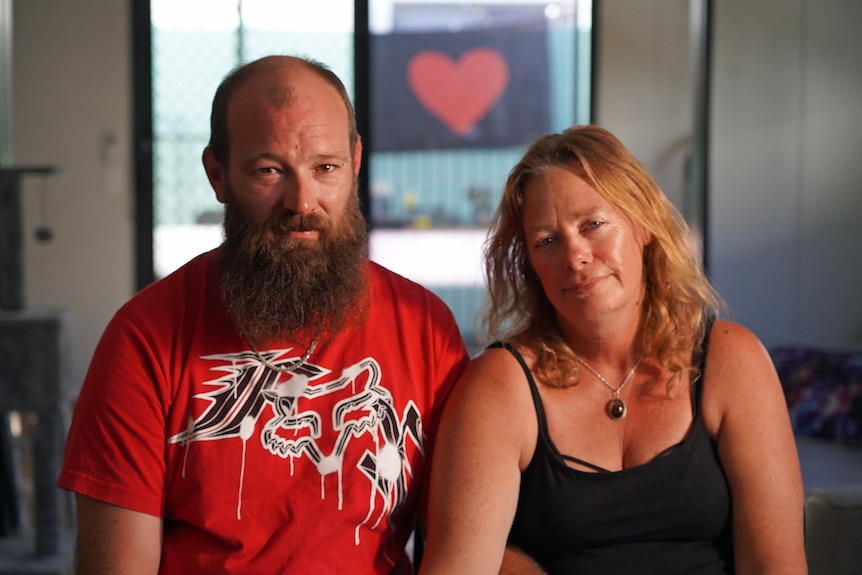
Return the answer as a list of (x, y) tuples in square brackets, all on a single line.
[(594, 224), (544, 241)]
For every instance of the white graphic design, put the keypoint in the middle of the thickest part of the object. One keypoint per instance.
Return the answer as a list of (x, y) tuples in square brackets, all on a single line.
[(237, 409)]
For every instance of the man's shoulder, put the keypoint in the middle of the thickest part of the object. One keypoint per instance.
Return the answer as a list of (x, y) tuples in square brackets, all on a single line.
[(401, 305), (200, 267), (186, 283), (385, 280), (393, 290)]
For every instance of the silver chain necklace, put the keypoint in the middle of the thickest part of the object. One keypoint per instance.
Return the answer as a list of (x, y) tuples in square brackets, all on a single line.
[(616, 407), (291, 365)]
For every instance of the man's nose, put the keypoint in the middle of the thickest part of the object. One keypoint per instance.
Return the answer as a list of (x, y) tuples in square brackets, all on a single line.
[(299, 195)]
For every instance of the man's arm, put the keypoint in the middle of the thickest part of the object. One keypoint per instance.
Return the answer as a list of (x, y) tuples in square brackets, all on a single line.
[(114, 540)]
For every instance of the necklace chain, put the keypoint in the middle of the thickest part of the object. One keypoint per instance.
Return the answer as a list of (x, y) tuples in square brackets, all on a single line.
[(616, 407), (290, 366)]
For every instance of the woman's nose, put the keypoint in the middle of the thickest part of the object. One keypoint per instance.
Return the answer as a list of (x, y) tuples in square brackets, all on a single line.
[(577, 253)]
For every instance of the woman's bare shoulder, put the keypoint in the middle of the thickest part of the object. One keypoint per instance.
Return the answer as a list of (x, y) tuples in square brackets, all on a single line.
[(495, 370), (494, 385), (739, 372), (736, 344), (491, 407)]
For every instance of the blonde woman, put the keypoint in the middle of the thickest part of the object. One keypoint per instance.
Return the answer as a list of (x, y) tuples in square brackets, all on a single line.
[(618, 425)]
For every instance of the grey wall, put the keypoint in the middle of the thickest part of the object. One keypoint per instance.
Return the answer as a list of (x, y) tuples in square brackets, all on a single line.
[(785, 203), (644, 84), (786, 178), (71, 94), (786, 210)]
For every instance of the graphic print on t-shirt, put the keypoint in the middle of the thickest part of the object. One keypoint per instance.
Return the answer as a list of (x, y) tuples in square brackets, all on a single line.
[(295, 417)]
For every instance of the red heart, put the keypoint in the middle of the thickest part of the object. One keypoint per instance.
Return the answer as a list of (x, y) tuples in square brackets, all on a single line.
[(460, 93)]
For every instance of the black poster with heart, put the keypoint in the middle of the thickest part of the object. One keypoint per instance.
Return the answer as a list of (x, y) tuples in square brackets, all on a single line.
[(474, 89)]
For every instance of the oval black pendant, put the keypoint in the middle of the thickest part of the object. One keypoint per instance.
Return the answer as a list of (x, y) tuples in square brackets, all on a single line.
[(616, 408)]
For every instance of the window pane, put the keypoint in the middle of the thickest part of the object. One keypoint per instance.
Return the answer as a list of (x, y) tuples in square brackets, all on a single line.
[(194, 44), (457, 92), (437, 159)]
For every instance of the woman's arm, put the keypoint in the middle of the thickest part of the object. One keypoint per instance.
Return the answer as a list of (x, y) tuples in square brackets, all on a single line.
[(745, 407), (516, 563), (116, 541), (486, 436)]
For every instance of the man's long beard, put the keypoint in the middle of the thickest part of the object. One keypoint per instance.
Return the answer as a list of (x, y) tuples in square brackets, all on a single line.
[(275, 287)]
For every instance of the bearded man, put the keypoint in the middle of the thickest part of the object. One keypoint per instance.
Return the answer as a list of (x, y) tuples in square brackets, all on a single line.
[(270, 406)]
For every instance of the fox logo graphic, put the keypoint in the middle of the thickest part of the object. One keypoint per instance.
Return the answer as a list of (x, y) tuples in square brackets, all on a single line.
[(237, 408)]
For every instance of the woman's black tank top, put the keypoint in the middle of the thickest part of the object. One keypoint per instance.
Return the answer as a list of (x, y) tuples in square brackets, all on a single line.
[(670, 515)]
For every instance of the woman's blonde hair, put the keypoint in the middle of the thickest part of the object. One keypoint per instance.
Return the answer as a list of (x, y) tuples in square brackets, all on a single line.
[(678, 296)]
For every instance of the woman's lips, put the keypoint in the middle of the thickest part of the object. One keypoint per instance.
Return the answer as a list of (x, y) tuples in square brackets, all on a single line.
[(584, 285)]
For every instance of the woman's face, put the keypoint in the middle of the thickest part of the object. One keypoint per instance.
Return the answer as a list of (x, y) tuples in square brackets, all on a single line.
[(587, 254)]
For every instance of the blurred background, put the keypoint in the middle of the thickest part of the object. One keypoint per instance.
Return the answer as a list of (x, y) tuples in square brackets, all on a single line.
[(747, 112)]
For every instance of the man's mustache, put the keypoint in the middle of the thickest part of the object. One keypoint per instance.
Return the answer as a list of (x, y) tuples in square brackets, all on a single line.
[(298, 223)]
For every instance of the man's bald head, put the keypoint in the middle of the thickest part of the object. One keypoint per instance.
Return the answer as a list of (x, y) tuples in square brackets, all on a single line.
[(278, 76)]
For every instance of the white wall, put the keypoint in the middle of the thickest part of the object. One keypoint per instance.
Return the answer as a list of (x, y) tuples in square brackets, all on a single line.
[(786, 178), (72, 88)]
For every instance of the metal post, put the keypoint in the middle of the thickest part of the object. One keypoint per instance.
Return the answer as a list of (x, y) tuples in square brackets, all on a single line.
[(5, 82), (697, 180)]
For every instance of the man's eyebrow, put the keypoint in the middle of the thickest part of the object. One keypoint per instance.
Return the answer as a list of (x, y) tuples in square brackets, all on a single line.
[(262, 156), (249, 163), (331, 158), (321, 158)]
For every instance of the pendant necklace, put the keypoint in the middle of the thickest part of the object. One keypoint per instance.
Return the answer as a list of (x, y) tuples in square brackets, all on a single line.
[(291, 365), (616, 407)]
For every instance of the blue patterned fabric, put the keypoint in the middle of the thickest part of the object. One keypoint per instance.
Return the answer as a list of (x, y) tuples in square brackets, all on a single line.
[(823, 391)]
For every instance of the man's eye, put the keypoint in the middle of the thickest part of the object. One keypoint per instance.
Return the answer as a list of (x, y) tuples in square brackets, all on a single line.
[(326, 168)]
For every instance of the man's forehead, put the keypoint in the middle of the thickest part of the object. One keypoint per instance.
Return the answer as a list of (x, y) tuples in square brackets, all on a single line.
[(278, 92)]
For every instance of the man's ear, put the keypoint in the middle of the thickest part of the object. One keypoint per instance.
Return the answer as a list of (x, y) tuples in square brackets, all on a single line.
[(357, 156), (216, 174)]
